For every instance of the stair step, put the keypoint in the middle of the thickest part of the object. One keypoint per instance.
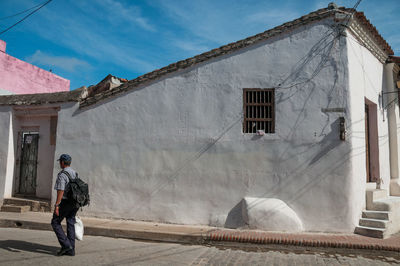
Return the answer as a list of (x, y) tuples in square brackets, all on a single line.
[(373, 223), (378, 215), (370, 231), (387, 204), (35, 205), (14, 208), (374, 195), (380, 194)]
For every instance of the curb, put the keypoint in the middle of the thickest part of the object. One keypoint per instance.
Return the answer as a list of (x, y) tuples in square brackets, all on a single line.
[(265, 240), (199, 239), (111, 232)]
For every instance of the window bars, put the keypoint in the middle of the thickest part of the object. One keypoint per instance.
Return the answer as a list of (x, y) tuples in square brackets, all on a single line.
[(259, 110)]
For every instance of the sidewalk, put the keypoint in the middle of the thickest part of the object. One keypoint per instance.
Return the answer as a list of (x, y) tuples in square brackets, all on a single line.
[(201, 234)]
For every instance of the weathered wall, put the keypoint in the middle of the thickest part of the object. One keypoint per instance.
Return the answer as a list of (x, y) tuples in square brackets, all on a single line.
[(366, 81), (4, 141), (174, 151), (45, 153), (9, 178), (9, 169), (19, 77)]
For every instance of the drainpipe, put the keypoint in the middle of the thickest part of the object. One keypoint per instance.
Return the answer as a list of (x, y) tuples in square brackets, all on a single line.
[(391, 70)]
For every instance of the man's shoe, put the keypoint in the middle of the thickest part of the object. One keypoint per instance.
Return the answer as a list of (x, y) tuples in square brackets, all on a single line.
[(64, 250), (70, 253)]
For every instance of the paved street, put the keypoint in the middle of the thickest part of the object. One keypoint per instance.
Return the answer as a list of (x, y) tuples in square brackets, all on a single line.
[(31, 247)]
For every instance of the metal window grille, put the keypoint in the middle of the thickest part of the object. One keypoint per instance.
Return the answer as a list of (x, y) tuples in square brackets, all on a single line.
[(259, 110)]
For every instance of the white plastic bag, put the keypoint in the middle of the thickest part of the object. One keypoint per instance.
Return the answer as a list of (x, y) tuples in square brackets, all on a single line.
[(78, 228)]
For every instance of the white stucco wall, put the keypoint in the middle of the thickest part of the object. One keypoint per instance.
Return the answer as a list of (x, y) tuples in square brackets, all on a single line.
[(4, 141), (174, 151), (9, 178), (365, 81)]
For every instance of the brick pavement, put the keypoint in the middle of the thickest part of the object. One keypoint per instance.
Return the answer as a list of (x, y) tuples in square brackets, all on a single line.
[(326, 240)]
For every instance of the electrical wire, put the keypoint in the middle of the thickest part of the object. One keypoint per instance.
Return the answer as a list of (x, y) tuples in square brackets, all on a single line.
[(321, 64), (354, 11), (19, 13), (34, 11)]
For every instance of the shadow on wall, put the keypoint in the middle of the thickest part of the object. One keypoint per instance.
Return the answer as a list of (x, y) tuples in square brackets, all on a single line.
[(269, 214), (323, 49), (328, 143), (320, 52), (237, 217)]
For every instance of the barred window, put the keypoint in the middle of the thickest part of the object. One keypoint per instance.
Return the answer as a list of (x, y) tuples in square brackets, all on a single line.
[(259, 110)]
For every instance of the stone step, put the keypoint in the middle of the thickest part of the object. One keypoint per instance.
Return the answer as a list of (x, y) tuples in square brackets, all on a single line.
[(370, 231), (35, 205), (378, 215), (377, 194), (387, 204), (373, 223), (14, 208), (374, 195)]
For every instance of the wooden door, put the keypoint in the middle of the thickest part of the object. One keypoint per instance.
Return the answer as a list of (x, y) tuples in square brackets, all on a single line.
[(29, 155), (371, 141), (367, 145)]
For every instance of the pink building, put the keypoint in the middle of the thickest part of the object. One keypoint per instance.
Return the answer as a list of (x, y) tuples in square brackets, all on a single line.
[(19, 77)]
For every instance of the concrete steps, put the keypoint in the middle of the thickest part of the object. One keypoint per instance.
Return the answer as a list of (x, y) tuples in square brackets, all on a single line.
[(371, 232), (22, 205), (374, 195), (14, 208), (381, 218), (388, 204), (380, 215), (375, 223)]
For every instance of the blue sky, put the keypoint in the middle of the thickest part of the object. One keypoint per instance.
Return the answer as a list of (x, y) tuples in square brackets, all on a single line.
[(85, 40)]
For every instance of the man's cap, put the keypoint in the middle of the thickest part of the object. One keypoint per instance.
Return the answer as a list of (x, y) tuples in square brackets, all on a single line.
[(65, 158)]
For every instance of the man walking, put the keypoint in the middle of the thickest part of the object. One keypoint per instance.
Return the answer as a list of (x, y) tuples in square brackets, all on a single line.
[(64, 208)]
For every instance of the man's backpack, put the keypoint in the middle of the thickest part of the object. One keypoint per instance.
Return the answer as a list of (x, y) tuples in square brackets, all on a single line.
[(78, 191)]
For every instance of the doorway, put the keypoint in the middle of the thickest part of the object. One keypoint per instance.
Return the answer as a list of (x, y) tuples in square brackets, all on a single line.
[(28, 167), (371, 142)]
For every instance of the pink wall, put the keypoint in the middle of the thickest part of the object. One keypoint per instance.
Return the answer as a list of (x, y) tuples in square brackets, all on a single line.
[(19, 77)]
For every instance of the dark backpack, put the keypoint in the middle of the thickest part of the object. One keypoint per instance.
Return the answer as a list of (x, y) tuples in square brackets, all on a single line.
[(78, 191)]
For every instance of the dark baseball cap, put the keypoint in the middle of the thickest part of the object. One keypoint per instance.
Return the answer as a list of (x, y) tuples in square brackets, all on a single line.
[(65, 158)]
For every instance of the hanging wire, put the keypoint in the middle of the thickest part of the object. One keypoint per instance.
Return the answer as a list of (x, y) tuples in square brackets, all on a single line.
[(19, 13), (34, 11)]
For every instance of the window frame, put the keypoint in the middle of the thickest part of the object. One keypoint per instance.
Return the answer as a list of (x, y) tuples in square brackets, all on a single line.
[(271, 103)]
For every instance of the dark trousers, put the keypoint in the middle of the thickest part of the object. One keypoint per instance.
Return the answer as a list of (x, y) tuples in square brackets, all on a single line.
[(66, 210)]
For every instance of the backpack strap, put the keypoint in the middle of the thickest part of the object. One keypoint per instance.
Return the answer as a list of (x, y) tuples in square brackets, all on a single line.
[(67, 174)]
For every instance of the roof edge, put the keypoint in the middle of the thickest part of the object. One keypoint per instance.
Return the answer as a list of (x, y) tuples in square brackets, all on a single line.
[(317, 15), (222, 50), (43, 98)]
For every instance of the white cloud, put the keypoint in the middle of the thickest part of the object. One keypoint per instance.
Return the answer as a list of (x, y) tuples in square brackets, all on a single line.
[(271, 17), (92, 37), (221, 22), (190, 46), (117, 14), (67, 63)]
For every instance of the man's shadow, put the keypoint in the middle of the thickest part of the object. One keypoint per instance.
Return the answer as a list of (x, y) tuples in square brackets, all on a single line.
[(18, 246)]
